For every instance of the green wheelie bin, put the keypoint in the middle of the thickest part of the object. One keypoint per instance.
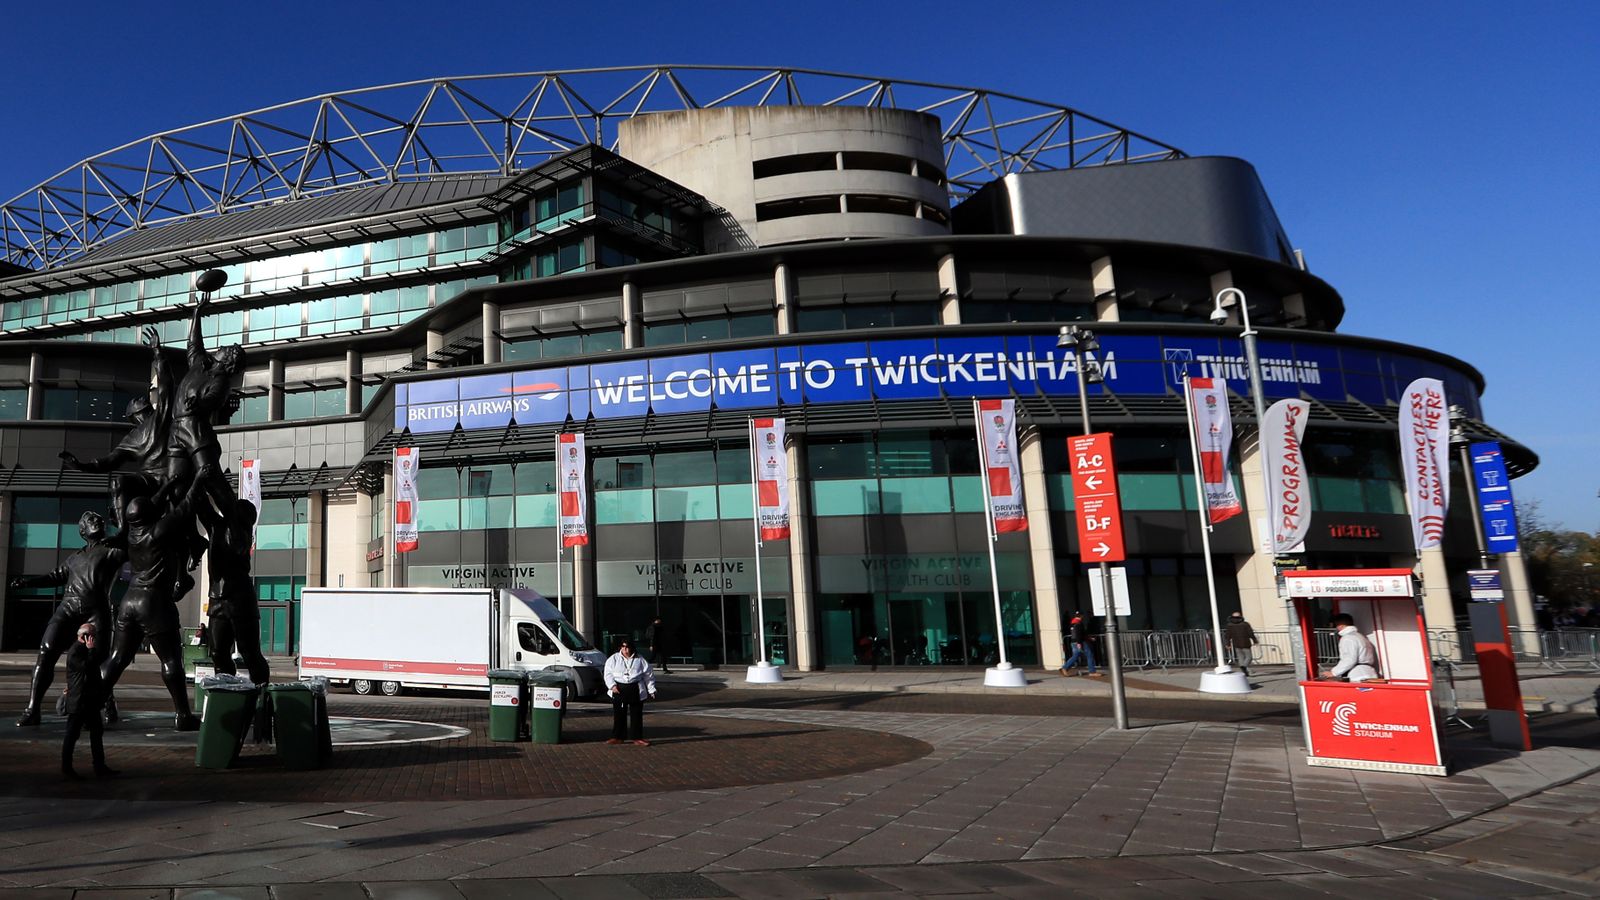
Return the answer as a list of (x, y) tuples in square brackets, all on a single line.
[(195, 650), (202, 671), (508, 705), (548, 695), (230, 706), (300, 717)]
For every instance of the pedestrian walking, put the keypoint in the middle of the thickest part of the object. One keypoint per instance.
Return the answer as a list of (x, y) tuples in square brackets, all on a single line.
[(1241, 637), (630, 681), (655, 642), (85, 695), (1078, 636)]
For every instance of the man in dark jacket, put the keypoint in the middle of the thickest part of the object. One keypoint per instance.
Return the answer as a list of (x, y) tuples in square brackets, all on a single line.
[(1241, 637), (1078, 634), (87, 577), (85, 694), (655, 638)]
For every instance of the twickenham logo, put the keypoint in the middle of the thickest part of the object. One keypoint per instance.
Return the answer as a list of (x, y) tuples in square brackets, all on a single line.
[(1342, 714)]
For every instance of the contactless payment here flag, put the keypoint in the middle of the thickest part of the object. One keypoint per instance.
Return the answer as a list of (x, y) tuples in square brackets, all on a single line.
[(997, 438), (573, 529), (406, 524), (1213, 429), (771, 466), (1424, 445)]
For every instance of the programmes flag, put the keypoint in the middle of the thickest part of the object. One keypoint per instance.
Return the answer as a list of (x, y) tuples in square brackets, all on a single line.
[(1424, 449), (997, 439), (573, 528), (1286, 473), (250, 489), (771, 464), (406, 524), (1213, 428)]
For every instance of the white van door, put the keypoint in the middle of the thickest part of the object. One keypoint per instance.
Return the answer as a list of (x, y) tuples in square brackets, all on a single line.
[(535, 648)]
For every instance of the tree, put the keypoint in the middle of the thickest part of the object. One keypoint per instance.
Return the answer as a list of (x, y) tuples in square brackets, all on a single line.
[(1563, 566)]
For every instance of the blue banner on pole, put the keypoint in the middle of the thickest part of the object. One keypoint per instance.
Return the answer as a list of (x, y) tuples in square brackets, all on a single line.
[(1495, 503)]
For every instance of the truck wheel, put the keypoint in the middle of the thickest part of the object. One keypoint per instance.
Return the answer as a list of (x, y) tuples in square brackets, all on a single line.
[(361, 686), (390, 688)]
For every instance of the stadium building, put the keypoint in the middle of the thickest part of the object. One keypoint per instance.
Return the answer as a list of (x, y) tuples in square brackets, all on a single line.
[(652, 256)]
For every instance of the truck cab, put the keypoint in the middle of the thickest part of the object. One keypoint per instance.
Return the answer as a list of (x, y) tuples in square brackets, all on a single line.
[(537, 636)]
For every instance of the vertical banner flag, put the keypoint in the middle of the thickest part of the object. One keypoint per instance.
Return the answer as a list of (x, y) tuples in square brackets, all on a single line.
[(1213, 429), (1290, 504), (772, 479), (997, 439), (405, 499), (250, 489), (574, 530), (1424, 445)]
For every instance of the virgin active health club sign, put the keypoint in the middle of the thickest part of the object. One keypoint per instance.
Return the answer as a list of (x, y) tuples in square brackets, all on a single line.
[(902, 369)]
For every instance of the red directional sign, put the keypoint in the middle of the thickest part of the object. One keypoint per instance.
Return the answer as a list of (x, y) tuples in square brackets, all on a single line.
[(1094, 492)]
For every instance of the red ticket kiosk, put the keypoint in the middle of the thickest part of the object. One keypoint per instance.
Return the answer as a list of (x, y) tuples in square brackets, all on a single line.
[(1388, 724)]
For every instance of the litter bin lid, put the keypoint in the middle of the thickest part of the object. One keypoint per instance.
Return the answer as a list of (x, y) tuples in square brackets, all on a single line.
[(228, 683), (505, 675), (285, 686), (549, 679)]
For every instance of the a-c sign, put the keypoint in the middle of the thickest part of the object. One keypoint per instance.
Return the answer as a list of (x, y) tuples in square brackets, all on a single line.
[(1094, 495)]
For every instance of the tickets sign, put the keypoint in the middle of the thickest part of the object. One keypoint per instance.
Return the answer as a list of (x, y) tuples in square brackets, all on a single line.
[(1094, 495)]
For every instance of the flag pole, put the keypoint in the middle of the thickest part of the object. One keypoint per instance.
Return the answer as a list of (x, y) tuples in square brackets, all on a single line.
[(763, 671), (755, 521), (1205, 524), (1002, 670)]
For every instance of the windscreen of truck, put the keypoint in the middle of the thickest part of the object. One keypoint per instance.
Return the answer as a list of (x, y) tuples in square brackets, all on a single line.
[(568, 634)]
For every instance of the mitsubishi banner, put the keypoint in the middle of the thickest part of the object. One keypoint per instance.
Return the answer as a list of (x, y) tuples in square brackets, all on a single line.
[(406, 526), (997, 439), (770, 463)]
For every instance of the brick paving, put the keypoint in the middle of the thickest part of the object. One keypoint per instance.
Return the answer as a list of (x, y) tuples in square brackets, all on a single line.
[(687, 752), (960, 802)]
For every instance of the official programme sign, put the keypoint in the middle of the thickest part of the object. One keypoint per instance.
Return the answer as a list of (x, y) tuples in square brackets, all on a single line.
[(994, 366), (1364, 583)]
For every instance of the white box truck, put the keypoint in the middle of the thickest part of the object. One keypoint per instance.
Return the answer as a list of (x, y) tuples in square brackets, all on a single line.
[(388, 639)]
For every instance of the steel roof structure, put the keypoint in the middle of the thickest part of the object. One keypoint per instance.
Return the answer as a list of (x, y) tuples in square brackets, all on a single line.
[(501, 125)]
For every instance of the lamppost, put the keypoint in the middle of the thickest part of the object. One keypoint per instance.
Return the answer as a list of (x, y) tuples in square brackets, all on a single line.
[(1219, 316), (1082, 342)]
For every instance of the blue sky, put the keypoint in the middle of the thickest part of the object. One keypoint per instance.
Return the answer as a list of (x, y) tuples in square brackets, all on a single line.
[(1436, 162)]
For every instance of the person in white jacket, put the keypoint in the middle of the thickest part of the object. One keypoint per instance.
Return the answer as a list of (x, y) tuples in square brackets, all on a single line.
[(629, 681), (1358, 660)]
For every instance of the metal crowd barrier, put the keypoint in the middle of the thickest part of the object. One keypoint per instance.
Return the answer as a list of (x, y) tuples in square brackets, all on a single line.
[(1568, 649)]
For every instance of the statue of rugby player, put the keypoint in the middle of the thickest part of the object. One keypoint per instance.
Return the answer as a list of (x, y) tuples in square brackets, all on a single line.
[(88, 576)]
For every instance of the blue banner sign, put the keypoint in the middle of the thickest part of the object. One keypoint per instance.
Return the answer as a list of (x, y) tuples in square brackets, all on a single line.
[(1495, 503), (902, 369)]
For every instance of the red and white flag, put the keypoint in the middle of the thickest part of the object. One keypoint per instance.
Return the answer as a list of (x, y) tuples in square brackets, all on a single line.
[(1424, 457), (571, 526), (250, 489), (1213, 430), (1290, 504), (997, 439), (770, 467), (406, 523)]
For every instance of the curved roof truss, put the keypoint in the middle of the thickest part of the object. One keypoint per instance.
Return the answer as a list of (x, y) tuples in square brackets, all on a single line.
[(501, 125)]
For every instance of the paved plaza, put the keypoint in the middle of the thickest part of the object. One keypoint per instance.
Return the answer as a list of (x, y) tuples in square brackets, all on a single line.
[(821, 787)]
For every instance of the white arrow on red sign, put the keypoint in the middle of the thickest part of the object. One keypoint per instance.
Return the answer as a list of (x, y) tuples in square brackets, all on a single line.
[(1094, 491)]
